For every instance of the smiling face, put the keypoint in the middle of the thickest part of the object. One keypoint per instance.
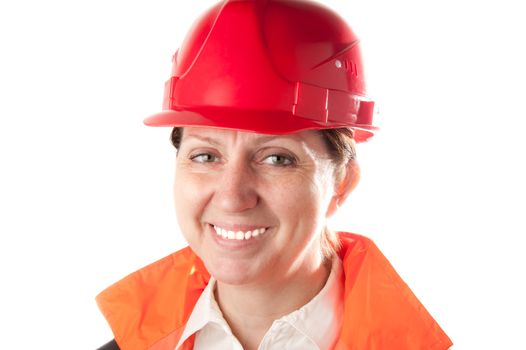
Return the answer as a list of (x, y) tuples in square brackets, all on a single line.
[(253, 206)]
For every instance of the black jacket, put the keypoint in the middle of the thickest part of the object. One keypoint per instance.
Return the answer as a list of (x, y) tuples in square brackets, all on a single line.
[(112, 345)]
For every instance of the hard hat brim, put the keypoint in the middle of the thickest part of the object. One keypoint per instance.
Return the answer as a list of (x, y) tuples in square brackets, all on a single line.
[(258, 121)]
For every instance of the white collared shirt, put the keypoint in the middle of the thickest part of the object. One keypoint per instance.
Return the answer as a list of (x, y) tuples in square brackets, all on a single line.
[(314, 326)]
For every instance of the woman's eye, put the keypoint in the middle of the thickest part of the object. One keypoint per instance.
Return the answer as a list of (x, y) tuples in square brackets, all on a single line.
[(278, 159), (204, 158)]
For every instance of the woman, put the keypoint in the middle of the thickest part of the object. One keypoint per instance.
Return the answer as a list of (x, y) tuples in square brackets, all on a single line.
[(267, 100)]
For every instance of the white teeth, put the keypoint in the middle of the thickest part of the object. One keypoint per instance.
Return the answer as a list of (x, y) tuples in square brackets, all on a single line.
[(239, 235)]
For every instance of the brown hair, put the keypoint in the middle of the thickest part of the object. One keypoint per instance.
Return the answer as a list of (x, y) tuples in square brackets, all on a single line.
[(342, 150)]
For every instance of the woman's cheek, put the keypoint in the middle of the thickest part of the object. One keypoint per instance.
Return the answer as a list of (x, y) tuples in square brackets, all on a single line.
[(189, 197)]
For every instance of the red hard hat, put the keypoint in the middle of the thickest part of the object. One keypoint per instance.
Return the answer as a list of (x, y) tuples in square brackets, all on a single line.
[(268, 66)]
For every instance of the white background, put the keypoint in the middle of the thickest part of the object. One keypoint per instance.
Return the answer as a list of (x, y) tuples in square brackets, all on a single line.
[(85, 188)]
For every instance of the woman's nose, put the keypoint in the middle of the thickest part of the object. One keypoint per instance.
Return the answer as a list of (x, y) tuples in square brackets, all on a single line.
[(235, 190)]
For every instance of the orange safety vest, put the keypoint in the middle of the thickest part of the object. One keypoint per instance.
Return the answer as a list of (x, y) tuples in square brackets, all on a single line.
[(148, 309)]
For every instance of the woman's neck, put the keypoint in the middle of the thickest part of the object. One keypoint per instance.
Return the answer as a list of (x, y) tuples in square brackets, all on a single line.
[(250, 310)]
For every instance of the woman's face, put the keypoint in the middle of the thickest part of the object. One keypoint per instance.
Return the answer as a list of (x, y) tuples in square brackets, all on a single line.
[(253, 206)]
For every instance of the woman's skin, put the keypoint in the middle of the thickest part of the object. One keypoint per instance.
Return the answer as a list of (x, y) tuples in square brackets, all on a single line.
[(277, 191)]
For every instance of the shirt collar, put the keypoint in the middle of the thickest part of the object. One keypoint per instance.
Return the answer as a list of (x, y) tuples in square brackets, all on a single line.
[(205, 310), (319, 320)]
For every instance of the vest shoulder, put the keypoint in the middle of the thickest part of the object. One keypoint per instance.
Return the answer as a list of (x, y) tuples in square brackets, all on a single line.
[(180, 262), (163, 292), (381, 310), (353, 242)]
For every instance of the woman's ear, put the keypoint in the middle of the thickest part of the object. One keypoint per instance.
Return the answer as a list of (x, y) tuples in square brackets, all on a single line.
[(344, 185)]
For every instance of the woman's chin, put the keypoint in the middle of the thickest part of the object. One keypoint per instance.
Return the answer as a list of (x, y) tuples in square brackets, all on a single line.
[(233, 273)]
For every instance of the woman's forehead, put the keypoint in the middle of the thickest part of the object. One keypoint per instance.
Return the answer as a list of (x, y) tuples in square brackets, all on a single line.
[(215, 135)]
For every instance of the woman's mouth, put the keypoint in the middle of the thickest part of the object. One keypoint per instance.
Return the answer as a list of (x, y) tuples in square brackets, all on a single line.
[(239, 235)]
